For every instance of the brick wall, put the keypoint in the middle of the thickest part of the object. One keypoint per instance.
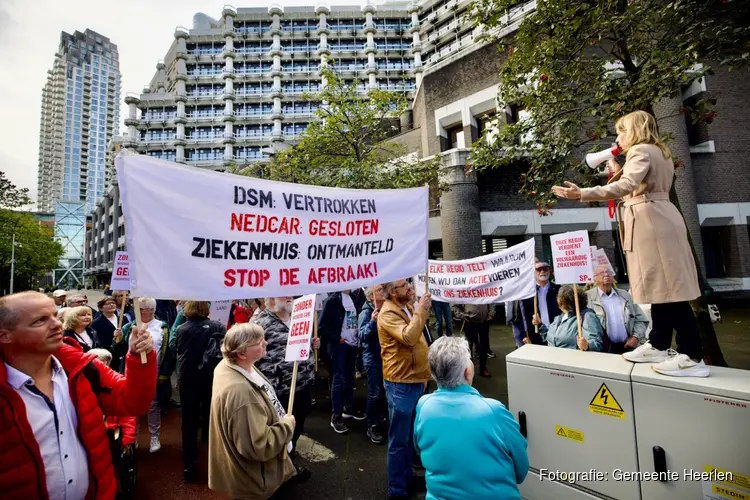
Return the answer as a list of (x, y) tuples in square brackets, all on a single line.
[(721, 177), (466, 76)]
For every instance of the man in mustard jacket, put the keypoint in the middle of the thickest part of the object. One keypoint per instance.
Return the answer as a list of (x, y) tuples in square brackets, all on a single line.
[(403, 349)]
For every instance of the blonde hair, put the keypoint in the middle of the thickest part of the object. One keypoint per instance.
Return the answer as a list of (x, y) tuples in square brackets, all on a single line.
[(639, 127), (70, 318), (238, 338), (196, 309)]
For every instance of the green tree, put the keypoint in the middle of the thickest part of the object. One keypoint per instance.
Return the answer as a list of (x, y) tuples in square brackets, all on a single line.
[(36, 251), (574, 67), (350, 147)]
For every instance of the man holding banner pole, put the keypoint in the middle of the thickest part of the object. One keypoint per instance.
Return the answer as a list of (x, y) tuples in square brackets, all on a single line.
[(406, 373)]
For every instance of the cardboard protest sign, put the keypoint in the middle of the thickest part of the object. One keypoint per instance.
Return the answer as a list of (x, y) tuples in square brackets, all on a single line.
[(499, 277), (121, 272), (203, 235), (599, 258), (571, 257), (300, 329), (220, 311)]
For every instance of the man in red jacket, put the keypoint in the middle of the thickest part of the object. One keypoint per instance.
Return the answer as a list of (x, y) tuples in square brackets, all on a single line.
[(52, 400)]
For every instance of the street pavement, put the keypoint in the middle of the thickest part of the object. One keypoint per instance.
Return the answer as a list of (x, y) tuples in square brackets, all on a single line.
[(344, 467)]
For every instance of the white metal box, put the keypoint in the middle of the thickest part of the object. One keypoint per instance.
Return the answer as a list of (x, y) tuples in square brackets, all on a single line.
[(699, 424), (576, 409)]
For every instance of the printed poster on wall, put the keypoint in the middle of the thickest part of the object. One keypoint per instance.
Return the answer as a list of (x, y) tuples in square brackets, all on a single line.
[(571, 257), (203, 235), (499, 277), (220, 311)]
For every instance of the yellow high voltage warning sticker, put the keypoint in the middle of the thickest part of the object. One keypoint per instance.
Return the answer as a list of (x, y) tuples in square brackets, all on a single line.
[(569, 433), (604, 403)]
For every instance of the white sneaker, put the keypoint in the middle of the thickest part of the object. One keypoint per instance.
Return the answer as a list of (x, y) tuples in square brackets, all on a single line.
[(680, 365), (155, 444), (645, 353)]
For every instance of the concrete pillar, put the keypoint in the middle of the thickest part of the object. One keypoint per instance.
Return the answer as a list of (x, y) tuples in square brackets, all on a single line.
[(132, 111), (180, 108), (738, 257), (459, 209), (180, 154), (672, 121)]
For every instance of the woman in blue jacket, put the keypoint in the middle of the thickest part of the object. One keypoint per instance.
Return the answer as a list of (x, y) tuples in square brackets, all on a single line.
[(478, 427), (563, 331)]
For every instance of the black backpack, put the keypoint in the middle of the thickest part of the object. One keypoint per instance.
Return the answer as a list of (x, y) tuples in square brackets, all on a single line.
[(212, 354)]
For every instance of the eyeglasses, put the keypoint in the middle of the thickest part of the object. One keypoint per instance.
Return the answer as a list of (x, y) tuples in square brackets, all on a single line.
[(542, 269), (401, 286)]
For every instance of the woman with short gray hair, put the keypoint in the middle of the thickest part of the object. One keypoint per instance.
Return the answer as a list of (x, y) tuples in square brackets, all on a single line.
[(482, 429), (250, 433)]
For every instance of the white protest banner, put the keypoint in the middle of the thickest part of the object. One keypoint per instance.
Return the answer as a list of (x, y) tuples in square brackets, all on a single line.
[(120, 273), (220, 311), (203, 235), (300, 329), (499, 277), (599, 258), (571, 257)]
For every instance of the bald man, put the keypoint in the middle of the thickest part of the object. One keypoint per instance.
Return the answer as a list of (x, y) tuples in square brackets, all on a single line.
[(52, 400)]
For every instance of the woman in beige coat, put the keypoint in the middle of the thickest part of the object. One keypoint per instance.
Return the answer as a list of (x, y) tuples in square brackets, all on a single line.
[(250, 434), (660, 263)]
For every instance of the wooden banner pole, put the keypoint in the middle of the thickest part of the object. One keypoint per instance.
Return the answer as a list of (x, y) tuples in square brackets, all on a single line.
[(138, 323), (122, 310), (315, 336), (536, 312), (293, 388), (578, 311)]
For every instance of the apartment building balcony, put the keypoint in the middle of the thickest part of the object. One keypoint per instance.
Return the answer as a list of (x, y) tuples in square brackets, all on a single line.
[(228, 116), (180, 118), (322, 29), (323, 50), (205, 117), (276, 92), (131, 122), (276, 114), (228, 139), (228, 73), (369, 27), (416, 47)]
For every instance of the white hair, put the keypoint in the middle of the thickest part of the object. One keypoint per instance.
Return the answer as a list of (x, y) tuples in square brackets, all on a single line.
[(448, 358), (147, 303), (370, 293)]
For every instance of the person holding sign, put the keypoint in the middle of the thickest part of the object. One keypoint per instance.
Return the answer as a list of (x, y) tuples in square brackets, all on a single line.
[(159, 332), (563, 331), (250, 433), (275, 320), (654, 238), (404, 352)]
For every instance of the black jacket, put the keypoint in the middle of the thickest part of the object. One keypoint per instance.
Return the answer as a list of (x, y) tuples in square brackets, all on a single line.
[(105, 331), (91, 332), (331, 319), (528, 310), (191, 340), (166, 310)]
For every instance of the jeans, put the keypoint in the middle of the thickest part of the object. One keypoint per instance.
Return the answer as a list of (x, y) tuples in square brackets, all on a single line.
[(342, 387), (675, 316), (518, 333), (443, 314), (376, 404), (302, 408), (402, 409)]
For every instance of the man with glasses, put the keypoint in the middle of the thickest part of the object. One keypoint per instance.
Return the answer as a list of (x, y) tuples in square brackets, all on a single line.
[(403, 345), (622, 320), (521, 313)]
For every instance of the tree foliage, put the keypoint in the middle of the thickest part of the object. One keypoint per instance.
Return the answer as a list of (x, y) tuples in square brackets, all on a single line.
[(574, 67), (351, 146), (36, 251)]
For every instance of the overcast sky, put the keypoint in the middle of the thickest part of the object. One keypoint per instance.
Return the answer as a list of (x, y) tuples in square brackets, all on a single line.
[(30, 30)]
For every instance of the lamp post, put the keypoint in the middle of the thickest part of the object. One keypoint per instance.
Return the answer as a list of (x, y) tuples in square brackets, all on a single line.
[(12, 261)]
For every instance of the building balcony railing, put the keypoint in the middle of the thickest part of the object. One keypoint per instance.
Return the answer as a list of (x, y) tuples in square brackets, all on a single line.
[(150, 117), (243, 157), (205, 116), (205, 74), (206, 51), (204, 159), (205, 138)]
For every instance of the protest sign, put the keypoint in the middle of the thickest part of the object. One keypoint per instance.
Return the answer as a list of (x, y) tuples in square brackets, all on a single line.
[(220, 311), (599, 258), (203, 235), (300, 329), (120, 273), (499, 277), (571, 257)]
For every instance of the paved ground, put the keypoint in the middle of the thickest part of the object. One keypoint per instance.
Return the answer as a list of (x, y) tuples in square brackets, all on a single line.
[(350, 467)]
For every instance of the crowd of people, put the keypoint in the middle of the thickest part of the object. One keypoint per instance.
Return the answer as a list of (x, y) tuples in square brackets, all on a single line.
[(71, 375)]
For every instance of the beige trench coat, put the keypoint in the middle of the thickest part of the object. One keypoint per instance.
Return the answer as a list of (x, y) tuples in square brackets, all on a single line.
[(661, 268)]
